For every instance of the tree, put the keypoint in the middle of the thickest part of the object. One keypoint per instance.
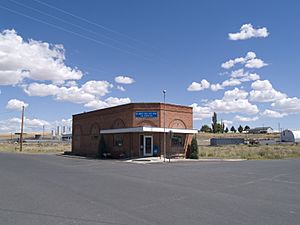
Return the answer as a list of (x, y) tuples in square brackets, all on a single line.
[(240, 129), (205, 128), (219, 128), (194, 149), (102, 147), (214, 122), (246, 128), (232, 129), (226, 130)]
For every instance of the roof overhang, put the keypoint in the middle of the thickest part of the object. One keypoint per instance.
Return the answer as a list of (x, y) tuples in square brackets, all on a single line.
[(148, 129)]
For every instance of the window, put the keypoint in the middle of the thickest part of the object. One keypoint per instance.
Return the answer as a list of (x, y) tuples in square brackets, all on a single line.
[(177, 141), (118, 140)]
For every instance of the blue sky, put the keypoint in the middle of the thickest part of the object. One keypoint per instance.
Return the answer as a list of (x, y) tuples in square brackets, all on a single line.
[(62, 58)]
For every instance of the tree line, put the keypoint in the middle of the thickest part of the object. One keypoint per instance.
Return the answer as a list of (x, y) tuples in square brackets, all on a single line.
[(217, 127)]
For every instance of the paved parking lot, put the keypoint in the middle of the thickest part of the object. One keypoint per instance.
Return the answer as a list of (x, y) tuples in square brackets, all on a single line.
[(49, 189)]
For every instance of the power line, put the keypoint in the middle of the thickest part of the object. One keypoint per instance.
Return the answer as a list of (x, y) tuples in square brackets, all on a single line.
[(89, 22), (72, 32), (72, 24)]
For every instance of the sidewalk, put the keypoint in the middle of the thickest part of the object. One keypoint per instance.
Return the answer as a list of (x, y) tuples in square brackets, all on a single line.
[(147, 160)]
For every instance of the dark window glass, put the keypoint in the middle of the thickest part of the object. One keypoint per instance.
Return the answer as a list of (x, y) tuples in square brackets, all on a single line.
[(177, 141), (118, 140)]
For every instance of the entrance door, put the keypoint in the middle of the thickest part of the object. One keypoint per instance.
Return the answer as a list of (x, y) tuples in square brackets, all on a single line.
[(148, 146)]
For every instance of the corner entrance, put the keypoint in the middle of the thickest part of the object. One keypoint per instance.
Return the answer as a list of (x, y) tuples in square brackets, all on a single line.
[(148, 145)]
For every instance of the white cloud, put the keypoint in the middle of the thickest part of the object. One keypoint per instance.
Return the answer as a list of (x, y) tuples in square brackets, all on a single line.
[(255, 63), (121, 88), (250, 77), (204, 84), (236, 78), (124, 80), (246, 119), (74, 94), (263, 92), (227, 123), (109, 102), (36, 89), (234, 101), (273, 114), (13, 125), (33, 60), (249, 60), (231, 82), (287, 105), (99, 88), (247, 31), (200, 113), (216, 87), (235, 94), (85, 94), (16, 104)]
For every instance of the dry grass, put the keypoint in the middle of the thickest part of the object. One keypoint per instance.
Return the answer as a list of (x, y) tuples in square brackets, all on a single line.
[(279, 151), (36, 147), (204, 138)]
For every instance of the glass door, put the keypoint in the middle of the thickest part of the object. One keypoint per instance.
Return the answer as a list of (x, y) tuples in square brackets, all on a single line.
[(148, 146)]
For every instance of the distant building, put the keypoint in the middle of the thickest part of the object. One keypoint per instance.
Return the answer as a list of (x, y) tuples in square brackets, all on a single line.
[(226, 141), (261, 130), (66, 137), (290, 136)]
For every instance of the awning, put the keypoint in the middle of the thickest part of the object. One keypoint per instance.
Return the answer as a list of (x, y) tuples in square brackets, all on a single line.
[(148, 129)]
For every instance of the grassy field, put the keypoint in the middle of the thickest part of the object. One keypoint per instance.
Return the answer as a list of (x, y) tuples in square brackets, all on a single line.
[(278, 151), (36, 147)]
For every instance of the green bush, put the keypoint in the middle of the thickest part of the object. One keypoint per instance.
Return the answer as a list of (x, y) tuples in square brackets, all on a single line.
[(194, 149)]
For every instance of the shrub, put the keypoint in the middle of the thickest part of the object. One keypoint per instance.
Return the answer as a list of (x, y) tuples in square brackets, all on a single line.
[(194, 149)]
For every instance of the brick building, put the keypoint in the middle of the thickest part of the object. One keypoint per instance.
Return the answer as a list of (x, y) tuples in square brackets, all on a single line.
[(133, 130)]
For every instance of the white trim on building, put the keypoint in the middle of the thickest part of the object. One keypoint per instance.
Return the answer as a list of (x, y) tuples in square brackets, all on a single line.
[(148, 129)]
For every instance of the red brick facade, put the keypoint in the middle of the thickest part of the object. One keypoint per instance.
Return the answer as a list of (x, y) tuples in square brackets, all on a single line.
[(87, 127)]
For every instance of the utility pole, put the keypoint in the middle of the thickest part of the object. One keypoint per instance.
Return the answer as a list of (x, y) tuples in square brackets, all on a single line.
[(43, 131), (165, 153), (22, 126)]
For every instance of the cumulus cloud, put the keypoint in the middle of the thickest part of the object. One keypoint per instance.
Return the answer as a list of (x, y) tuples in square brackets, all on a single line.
[(231, 82), (13, 125), (237, 77), (247, 31), (34, 60), (109, 102), (273, 114), (263, 91), (234, 101), (204, 84), (250, 61), (233, 106), (121, 88), (124, 80), (216, 87), (16, 104), (246, 119), (235, 94), (99, 88), (200, 112), (287, 105), (227, 123), (88, 92)]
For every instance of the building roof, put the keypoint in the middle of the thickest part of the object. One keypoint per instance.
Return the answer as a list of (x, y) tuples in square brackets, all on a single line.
[(260, 128), (136, 105), (148, 129)]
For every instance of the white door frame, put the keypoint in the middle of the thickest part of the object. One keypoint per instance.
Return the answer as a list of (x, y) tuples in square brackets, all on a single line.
[(151, 137)]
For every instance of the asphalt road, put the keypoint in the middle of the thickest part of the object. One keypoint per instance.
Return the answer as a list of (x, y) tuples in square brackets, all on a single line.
[(56, 190)]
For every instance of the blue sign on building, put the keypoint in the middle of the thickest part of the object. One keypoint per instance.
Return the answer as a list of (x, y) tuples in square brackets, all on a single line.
[(146, 114)]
